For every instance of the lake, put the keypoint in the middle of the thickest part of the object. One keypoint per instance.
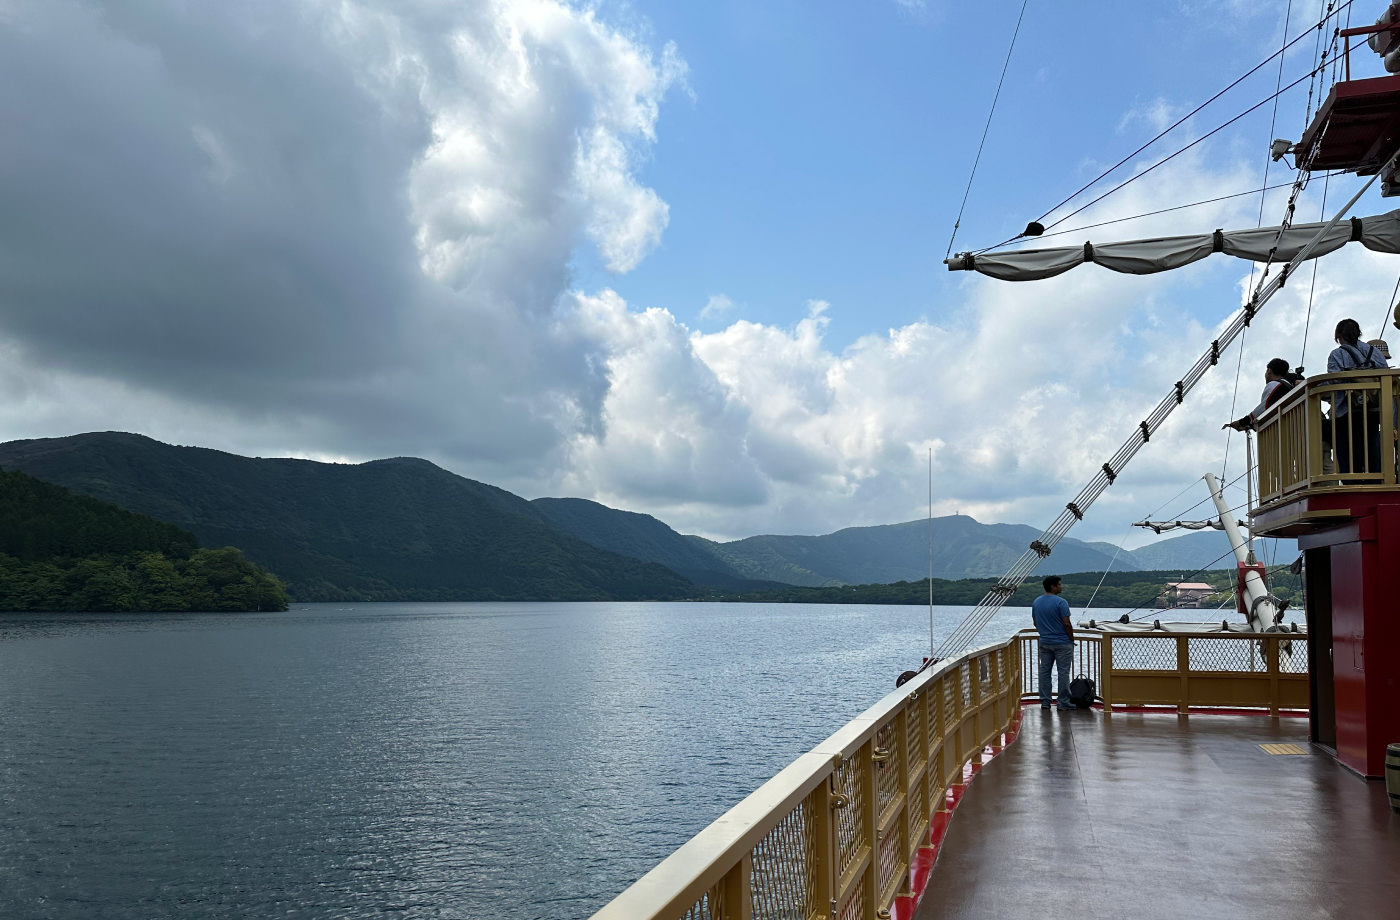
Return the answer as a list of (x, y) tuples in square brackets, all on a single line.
[(510, 760)]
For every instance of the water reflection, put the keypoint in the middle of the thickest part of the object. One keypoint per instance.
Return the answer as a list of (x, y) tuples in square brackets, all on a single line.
[(434, 760)]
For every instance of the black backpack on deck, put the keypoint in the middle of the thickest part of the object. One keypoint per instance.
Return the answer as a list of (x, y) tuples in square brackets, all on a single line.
[(1081, 692)]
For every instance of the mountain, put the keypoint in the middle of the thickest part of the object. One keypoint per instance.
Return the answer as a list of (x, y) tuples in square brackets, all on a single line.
[(66, 552), (1208, 549), (642, 536), (399, 529), (962, 548), (406, 529)]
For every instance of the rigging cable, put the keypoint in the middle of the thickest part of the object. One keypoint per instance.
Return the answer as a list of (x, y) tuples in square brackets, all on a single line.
[(1133, 178), (1259, 222), (1312, 286), (1394, 294), (987, 127), (1123, 540), (1321, 51), (1239, 365), (1167, 159), (1252, 71), (1074, 511), (1180, 207), (1162, 162), (1198, 504)]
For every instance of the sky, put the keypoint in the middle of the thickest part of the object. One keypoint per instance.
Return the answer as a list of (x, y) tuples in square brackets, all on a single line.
[(683, 259)]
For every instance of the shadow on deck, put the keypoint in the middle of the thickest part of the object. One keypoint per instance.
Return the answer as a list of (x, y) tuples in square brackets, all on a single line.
[(1151, 816)]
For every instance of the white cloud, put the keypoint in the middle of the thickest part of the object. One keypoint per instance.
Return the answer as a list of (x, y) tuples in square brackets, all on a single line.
[(361, 213), (1021, 394), (377, 263), (717, 307)]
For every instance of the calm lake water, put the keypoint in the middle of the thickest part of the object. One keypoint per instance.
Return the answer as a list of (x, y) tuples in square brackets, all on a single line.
[(415, 760)]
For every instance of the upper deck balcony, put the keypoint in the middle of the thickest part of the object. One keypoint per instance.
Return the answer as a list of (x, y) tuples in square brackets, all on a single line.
[(1318, 470)]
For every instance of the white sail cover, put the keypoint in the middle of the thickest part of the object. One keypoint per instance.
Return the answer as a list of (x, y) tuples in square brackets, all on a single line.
[(1146, 257)]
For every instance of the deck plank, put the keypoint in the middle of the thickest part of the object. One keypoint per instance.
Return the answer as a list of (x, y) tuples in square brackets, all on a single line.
[(1150, 816)]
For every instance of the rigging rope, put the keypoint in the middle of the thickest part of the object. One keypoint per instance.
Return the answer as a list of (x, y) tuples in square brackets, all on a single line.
[(1228, 485), (985, 128), (1253, 70), (1322, 51), (1318, 49), (1393, 295), (1121, 541), (1158, 527), (1312, 286), (1180, 207), (1162, 162), (1308, 76), (1167, 159), (1074, 511), (1239, 365)]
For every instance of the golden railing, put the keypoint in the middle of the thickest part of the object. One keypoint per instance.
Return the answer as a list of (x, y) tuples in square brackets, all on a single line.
[(1185, 670), (1298, 441), (836, 832)]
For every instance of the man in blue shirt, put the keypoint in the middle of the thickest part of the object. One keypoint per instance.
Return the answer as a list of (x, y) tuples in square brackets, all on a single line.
[(1051, 615)]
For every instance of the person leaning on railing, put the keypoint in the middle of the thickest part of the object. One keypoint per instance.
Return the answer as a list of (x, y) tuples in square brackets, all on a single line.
[(1356, 422), (1278, 380)]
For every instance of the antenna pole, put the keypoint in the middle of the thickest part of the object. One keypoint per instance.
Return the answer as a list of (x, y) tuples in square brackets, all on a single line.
[(930, 552), (1249, 490)]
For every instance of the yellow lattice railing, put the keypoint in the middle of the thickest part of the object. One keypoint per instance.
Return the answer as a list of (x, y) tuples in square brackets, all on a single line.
[(1299, 437), (1265, 671), (835, 833)]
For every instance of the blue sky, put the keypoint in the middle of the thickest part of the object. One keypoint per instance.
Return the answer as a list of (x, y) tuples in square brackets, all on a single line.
[(679, 258), (826, 147)]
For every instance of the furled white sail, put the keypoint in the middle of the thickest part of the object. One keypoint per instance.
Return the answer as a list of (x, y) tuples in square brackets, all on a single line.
[(1145, 257)]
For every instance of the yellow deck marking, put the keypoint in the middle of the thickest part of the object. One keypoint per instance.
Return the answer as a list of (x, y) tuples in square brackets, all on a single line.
[(1283, 749)]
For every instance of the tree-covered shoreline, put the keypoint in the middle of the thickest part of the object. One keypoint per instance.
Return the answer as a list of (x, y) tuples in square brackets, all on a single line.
[(65, 552), (1118, 590)]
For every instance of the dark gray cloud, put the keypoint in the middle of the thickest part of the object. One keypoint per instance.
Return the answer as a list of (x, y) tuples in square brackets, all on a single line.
[(357, 213)]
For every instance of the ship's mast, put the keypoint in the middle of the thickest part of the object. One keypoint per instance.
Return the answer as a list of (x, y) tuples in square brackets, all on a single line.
[(1259, 606)]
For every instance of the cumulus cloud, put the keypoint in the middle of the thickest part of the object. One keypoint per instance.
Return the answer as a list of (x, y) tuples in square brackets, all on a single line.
[(1019, 394), (358, 212), (344, 230)]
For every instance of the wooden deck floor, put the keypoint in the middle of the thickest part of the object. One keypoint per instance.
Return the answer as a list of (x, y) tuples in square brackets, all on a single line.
[(1150, 816)]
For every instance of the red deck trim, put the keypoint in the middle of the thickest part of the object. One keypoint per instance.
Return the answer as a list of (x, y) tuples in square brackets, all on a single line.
[(924, 860)]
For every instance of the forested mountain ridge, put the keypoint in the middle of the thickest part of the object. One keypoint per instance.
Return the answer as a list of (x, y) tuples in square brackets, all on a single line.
[(405, 529), (644, 537), (66, 552), (396, 529)]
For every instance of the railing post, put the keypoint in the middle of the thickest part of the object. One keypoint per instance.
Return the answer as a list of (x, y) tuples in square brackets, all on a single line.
[(1271, 652), (1385, 395), (1313, 433), (904, 760), (974, 689), (1183, 666), (1106, 670), (872, 826), (823, 847), (738, 891)]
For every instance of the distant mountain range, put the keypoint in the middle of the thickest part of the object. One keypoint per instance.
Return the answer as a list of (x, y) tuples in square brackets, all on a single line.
[(403, 529), (399, 529)]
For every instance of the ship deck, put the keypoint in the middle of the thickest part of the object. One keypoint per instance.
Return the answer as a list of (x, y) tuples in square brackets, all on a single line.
[(1153, 816)]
